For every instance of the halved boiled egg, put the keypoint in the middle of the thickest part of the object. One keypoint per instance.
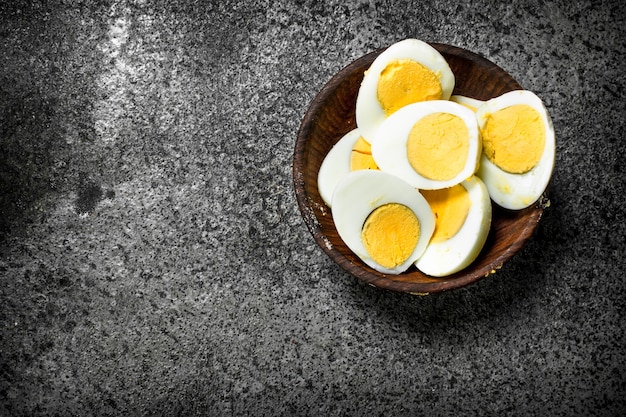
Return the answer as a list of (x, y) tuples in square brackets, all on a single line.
[(408, 71), (518, 148), (382, 219), (431, 144), (350, 153), (471, 103), (462, 223)]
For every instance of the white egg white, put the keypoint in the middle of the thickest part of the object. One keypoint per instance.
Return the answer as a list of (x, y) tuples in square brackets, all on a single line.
[(467, 101), (369, 113), (454, 254), (359, 193), (389, 144), (336, 165), (517, 191)]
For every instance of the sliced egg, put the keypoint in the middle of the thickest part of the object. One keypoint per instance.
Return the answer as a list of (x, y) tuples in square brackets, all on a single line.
[(431, 145), (518, 148), (471, 103), (382, 219), (462, 223), (350, 153), (407, 72)]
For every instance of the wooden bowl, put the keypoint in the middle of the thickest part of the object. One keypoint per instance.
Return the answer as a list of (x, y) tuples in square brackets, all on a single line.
[(332, 114)]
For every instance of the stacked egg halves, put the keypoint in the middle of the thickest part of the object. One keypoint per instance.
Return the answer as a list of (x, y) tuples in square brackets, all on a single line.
[(413, 183)]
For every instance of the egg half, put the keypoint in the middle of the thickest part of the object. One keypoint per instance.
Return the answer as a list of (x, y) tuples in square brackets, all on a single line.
[(406, 72), (350, 153), (386, 222), (471, 103), (462, 223), (431, 145), (518, 148)]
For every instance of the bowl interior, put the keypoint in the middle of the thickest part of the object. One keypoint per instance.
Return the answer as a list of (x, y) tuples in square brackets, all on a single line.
[(332, 114)]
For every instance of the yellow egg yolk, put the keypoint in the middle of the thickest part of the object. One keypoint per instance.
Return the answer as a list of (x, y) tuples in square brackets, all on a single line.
[(450, 207), (405, 81), (514, 138), (390, 234), (438, 146), (469, 106), (361, 156)]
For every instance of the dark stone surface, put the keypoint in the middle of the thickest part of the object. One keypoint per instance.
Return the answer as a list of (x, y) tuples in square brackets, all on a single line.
[(153, 260)]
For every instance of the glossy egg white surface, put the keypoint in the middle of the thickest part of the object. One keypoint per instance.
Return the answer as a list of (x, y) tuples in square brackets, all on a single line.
[(452, 255), (389, 145), (336, 165), (359, 193), (467, 101), (369, 113), (518, 191)]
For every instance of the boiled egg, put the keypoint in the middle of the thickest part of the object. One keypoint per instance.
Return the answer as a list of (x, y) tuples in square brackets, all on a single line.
[(431, 144), (386, 222), (406, 72), (471, 103), (518, 148), (350, 153), (462, 223)]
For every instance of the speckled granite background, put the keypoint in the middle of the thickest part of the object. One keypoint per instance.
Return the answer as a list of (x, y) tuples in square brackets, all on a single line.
[(153, 260)]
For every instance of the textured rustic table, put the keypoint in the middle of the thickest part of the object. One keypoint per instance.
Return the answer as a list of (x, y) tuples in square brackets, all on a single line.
[(153, 260)]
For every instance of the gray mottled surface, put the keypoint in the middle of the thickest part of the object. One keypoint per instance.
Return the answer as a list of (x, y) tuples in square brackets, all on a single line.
[(153, 260)]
